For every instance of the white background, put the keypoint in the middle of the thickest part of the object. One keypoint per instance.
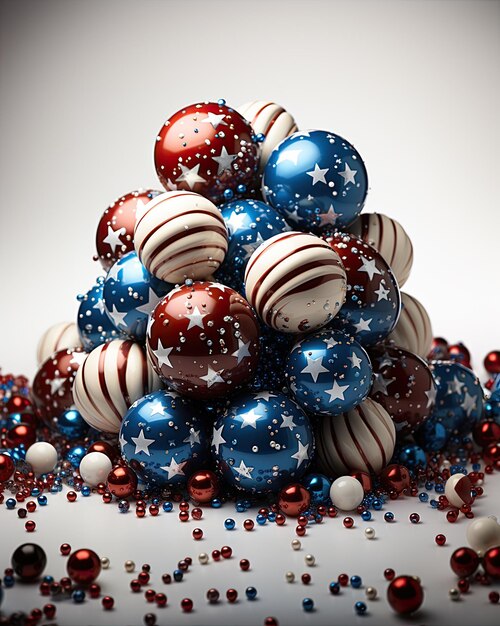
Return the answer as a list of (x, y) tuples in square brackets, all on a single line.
[(85, 87)]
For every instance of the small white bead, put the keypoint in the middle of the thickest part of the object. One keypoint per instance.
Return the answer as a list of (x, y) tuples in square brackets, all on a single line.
[(289, 577), (296, 545), (129, 566), (310, 560), (203, 558), (105, 562), (371, 593), (370, 533), (454, 594)]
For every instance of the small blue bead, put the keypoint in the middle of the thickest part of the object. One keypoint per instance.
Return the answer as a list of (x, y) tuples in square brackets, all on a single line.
[(86, 491), (423, 497), (167, 507), (10, 503), (178, 575), (439, 488), (155, 501), (240, 508), (48, 579), (42, 500), (271, 516), (366, 516), (8, 581), (308, 604), (221, 102), (360, 608), (356, 581), (434, 504), (123, 506), (476, 467), (216, 503), (241, 188), (78, 596), (261, 519), (229, 523), (251, 593), (334, 587), (377, 504), (35, 492), (228, 194), (389, 516)]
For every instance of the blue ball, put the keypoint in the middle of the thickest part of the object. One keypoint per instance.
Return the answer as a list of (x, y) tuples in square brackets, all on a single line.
[(360, 608), (162, 439), (130, 294), (178, 575), (251, 593), (78, 596), (10, 503), (94, 326), (75, 455), (318, 486), (249, 223), (356, 582), (262, 442), (308, 604), (229, 524), (329, 372), (317, 180), (71, 424), (412, 456), (432, 435)]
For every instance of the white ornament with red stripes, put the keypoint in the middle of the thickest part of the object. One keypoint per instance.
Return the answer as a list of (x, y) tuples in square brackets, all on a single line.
[(270, 119), (458, 490), (389, 238), (413, 332), (296, 282), (180, 235), (62, 336), (110, 380), (362, 439)]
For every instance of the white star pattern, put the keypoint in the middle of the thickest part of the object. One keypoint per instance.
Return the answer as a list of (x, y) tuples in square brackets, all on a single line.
[(193, 437), (355, 361), (174, 469), (142, 443), (369, 267), (314, 367), (78, 358), (336, 392), (122, 441), (99, 305), (301, 455), (190, 176), (118, 316), (380, 384), (287, 422), (157, 408), (140, 210), (114, 271), (195, 318), (224, 160), (215, 120), (242, 351), (431, 396), (348, 175), (212, 377), (330, 217), (363, 325), (147, 306), (381, 292), (330, 342), (163, 354), (55, 384), (455, 386), (243, 470), (264, 395), (235, 222), (113, 237), (318, 174), (469, 403), (251, 247), (249, 419), (217, 438)]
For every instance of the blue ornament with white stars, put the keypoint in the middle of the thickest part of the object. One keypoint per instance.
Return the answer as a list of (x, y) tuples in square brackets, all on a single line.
[(329, 372), (262, 442), (130, 294), (162, 439), (249, 223), (459, 399), (316, 180), (94, 326)]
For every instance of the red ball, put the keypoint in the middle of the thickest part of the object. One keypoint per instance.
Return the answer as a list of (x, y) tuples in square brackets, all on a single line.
[(464, 562), (206, 148), (486, 432), (187, 605), (203, 340), (21, 434), (459, 353), (115, 232), (111, 451), (492, 362), (18, 404), (52, 385), (294, 499), (6, 467), (365, 479), (202, 486), (405, 594), (491, 562), (122, 481), (107, 603), (491, 454), (395, 477), (83, 566), (439, 350)]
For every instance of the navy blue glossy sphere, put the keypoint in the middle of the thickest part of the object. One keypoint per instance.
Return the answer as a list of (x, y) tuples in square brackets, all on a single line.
[(459, 398), (249, 223), (411, 456), (94, 326), (262, 442), (329, 372), (130, 294), (316, 180), (162, 439), (71, 424), (432, 435), (318, 486)]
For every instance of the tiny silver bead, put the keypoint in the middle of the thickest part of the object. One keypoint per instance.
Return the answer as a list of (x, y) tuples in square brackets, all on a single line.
[(371, 593), (104, 562), (454, 594), (296, 545), (203, 558), (370, 533), (289, 577), (310, 560), (129, 566)]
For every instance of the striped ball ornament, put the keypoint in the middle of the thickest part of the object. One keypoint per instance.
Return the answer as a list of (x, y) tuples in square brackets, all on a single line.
[(361, 440), (62, 336), (180, 235), (270, 119), (295, 282), (413, 331), (112, 377), (390, 239)]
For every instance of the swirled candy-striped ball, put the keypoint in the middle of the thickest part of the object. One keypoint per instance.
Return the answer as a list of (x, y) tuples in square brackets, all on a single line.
[(112, 377), (271, 120), (180, 235), (295, 283), (386, 235), (60, 336), (413, 330), (361, 440)]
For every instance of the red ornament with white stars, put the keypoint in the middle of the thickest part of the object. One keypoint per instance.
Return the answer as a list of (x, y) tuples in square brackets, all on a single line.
[(207, 148), (403, 385), (115, 231), (203, 340), (52, 385)]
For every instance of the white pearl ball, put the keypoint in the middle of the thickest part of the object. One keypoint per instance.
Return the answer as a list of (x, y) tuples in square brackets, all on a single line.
[(370, 533), (310, 560), (346, 493), (454, 594), (129, 566), (94, 468), (105, 562), (203, 558), (42, 457), (371, 593), (289, 577), (296, 545), (483, 533)]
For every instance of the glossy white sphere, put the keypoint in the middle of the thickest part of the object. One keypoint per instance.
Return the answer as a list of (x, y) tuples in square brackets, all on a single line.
[(346, 493), (42, 457), (94, 468), (483, 533)]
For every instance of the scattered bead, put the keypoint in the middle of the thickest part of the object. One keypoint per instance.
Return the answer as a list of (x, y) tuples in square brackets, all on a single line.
[(310, 560), (356, 582), (231, 595), (370, 533), (308, 604), (251, 593), (213, 596), (229, 524), (245, 565), (161, 600), (440, 540), (197, 534), (389, 573), (105, 562), (343, 580), (348, 522), (65, 549), (129, 566), (414, 518), (360, 608), (30, 526), (389, 516), (290, 577), (371, 593), (296, 545), (107, 603), (306, 578), (454, 594), (203, 558), (187, 605), (334, 588), (226, 552), (494, 597)]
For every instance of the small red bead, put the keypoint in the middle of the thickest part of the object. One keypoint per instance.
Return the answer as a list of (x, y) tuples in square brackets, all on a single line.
[(226, 552), (452, 516), (414, 518), (154, 510), (197, 534), (300, 531), (389, 573), (184, 516), (494, 597), (107, 603), (440, 540), (150, 619), (197, 513), (302, 520), (213, 596), (167, 579), (94, 590), (248, 524), (49, 610), (145, 567), (280, 520), (140, 511), (71, 496), (332, 511), (143, 577), (135, 585), (36, 615), (463, 585), (271, 621), (30, 526), (184, 506), (245, 564), (65, 549), (150, 595), (107, 497), (31, 506), (343, 580), (348, 522), (306, 578), (187, 605), (183, 565), (216, 555), (161, 599), (231, 595), (44, 589), (66, 583)]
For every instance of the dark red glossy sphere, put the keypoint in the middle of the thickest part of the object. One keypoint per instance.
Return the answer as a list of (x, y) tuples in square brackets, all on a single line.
[(122, 481), (464, 562), (115, 231), (83, 566), (492, 362), (203, 340), (365, 479), (202, 486), (395, 477), (28, 561), (486, 432), (405, 594), (491, 454), (21, 434), (6, 467), (206, 148), (491, 562), (106, 448), (439, 350), (294, 499), (459, 353)]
